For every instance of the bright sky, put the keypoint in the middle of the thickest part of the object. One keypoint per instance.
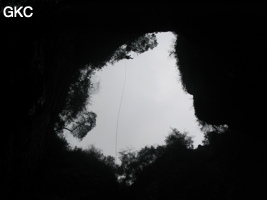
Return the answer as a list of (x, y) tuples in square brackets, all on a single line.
[(153, 101)]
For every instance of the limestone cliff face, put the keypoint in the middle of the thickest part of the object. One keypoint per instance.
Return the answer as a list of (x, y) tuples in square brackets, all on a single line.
[(222, 64), (40, 61)]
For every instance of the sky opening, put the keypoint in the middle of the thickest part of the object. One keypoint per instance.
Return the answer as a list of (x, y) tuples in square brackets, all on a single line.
[(153, 102)]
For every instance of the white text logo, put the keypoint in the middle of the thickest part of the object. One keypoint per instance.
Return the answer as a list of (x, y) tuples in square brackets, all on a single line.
[(18, 11)]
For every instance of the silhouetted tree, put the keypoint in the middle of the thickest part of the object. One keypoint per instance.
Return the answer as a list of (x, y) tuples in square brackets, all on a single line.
[(172, 171), (134, 162), (140, 45), (84, 123), (176, 138), (75, 117), (126, 170)]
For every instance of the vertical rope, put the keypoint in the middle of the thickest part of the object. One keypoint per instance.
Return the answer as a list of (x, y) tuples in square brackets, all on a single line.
[(116, 142)]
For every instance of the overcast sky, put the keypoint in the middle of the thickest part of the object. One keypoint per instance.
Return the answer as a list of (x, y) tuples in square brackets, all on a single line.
[(153, 101)]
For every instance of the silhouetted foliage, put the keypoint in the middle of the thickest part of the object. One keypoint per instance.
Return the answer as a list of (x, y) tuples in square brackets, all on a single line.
[(140, 45), (128, 166), (176, 138), (75, 117), (84, 124), (78, 94), (221, 168), (133, 163)]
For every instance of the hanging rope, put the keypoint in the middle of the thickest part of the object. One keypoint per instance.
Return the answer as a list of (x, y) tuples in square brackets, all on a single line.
[(116, 143)]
